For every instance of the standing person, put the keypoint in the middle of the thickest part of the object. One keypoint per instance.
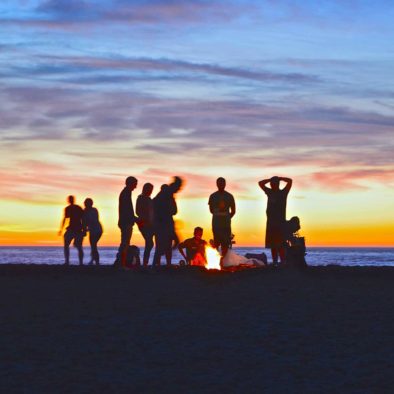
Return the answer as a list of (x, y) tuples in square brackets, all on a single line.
[(164, 208), (126, 220), (276, 215), (222, 206), (74, 231), (92, 224), (144, 209), (195, 248)]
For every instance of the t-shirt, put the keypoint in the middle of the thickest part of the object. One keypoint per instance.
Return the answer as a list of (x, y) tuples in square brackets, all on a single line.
[(220, 203), (126, 210), (193, 246), (74, 213), (91, 220), (276, 205), (144, 208)]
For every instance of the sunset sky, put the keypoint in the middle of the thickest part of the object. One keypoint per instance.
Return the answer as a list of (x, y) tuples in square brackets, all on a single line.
[(94, 91)]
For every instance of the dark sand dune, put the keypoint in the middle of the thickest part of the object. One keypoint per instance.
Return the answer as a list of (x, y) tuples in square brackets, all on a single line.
[(100, 330)]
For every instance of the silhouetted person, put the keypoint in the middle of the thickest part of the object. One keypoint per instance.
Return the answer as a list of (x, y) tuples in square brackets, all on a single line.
[(74, 231), (126, 220), (164, 208), (275, 235), (144, 210), (222, 206), (92, 224), (195, 248)]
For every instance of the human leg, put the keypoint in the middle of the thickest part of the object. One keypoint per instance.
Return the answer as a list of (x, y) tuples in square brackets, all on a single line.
[(94, 238), (274, 253), (125, 237), (78, 244), (148, 237), (68, 237)]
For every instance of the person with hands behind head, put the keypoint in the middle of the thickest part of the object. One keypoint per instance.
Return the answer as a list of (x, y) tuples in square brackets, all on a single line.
[(275, 235)]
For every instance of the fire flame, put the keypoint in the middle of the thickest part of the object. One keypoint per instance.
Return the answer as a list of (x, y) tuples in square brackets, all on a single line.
[(213, 259)]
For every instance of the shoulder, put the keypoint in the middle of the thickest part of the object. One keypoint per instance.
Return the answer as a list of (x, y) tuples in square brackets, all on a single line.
[(213, 195), (228, 195)]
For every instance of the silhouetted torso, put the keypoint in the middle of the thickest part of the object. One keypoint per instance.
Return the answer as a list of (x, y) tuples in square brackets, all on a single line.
[(164, 207), (144, 208), (193, 246), (91, 220), (74, 213), (221, 202), (126, 210), (276, 205)]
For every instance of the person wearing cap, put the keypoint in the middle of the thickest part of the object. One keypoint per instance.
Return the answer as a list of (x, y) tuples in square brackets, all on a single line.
[(275, 235)]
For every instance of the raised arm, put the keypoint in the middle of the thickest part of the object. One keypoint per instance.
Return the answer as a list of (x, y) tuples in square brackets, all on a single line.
[(288, 181), (175, 185), (263, 184)]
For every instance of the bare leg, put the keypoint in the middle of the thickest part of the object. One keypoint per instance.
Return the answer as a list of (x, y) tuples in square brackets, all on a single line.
[(80, 254), (274, 253), (67, 241), (148, 249), (282, 255)]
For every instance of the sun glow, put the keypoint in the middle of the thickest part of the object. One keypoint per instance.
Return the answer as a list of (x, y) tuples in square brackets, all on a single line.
[(213, 259)]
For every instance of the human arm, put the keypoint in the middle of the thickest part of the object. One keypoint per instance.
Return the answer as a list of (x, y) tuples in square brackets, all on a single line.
[(63, 222), (288, 181), (232, 207), (62, 226), (263, 184), (175, 185), (211, 205), (180, 248)]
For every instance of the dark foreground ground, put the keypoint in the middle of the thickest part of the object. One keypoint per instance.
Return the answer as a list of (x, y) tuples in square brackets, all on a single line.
[(97, 330)]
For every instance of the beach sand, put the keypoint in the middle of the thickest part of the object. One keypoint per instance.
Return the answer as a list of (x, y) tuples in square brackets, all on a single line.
[(96, 329)]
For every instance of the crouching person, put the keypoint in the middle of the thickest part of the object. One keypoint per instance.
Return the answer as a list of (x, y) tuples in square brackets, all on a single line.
[(195, 249)]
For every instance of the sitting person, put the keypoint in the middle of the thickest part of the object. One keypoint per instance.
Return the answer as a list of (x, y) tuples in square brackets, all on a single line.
[(195, 249), (295, 245)]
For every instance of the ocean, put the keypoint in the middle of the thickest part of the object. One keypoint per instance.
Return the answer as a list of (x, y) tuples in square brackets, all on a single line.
[(315, 256)]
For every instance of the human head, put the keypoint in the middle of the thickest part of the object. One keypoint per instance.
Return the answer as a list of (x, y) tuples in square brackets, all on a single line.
[(198, 232), (131, 182), (71, 199), (88, 203), (221, 184), (274, 182), (147, 189)]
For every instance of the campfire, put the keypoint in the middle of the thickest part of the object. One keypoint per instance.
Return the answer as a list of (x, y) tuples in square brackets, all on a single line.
[(213, 259)]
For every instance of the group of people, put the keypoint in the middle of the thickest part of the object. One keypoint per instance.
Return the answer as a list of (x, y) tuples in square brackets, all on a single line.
[(155, 220)]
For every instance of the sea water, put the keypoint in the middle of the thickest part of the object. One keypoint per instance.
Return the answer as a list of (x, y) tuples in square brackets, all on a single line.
[(315, 256)]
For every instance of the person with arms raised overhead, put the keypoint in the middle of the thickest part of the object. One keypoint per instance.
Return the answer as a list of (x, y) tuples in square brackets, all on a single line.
[(74, 231), (222, 206), (144, 209), (126, 220), (92, 224), (275, 235)]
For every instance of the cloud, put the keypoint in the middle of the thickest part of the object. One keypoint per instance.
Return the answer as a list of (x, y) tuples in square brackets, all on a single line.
[(62, 14), (79, 69), (356, 180)]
